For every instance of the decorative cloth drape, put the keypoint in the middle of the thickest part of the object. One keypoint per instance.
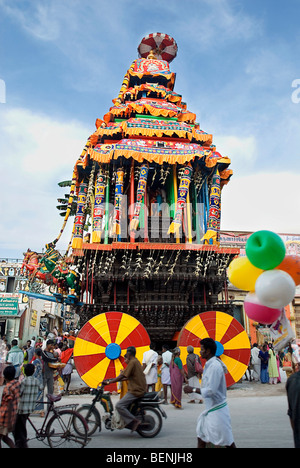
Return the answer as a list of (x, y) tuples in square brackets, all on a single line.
[(99, 207), (213, 226), (141, 190), (80, 216), (183, 190), (118, 200)]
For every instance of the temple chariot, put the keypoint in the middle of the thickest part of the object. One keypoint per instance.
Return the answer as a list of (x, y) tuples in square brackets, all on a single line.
[(147, 188)]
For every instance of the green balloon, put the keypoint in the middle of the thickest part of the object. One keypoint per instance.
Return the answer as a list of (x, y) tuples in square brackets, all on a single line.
[(265, 249)]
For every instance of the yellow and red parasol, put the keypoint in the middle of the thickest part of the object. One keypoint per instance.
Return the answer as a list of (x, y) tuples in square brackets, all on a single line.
[(165, 46)]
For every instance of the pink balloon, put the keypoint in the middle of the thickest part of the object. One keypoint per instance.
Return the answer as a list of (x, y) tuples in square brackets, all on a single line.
[(258, 312)]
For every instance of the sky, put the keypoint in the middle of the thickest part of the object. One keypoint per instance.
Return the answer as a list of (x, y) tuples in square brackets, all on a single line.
[(62, 63)]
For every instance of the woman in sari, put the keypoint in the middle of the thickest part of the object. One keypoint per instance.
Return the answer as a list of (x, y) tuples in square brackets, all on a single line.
[(66, 373), (272, 366), (177, 378), (264, 357)]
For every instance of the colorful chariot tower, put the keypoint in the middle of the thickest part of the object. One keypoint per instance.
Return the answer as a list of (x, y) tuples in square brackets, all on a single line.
[(148, 184)]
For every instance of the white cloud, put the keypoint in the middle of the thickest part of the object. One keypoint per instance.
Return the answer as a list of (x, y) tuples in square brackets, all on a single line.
[(241, 151), (40, 144), (262, 201), (37, 151), (256, 198), (208, 21), (42, 19)]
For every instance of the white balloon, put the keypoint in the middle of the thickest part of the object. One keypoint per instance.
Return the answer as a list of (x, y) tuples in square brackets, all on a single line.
[(275, 288)]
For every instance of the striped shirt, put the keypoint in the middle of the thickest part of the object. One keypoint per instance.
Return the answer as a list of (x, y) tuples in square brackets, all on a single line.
[(30, 388), (9, 404)]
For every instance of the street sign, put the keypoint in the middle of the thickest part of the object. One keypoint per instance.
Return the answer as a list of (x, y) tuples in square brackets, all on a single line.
[(9, 307)]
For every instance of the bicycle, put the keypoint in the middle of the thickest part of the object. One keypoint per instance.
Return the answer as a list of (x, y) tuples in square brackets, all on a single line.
[(147, 409), (66, 428)]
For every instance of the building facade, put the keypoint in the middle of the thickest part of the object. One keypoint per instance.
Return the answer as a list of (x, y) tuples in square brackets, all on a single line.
[(21, 316)]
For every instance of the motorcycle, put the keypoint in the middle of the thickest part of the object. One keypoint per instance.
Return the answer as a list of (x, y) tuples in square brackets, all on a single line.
[(147, 409)]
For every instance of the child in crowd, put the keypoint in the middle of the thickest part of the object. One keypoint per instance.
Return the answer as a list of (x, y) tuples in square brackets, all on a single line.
[(9, 405), (29, 390)]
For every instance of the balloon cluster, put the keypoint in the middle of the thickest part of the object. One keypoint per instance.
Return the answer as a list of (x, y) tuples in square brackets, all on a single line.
[(268, 274)]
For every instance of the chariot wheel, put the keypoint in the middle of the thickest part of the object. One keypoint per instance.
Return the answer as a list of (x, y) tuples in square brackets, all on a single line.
[(101, 344), (233, 345)]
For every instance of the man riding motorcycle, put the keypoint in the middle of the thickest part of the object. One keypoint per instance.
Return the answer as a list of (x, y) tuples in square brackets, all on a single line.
[(137, 387)]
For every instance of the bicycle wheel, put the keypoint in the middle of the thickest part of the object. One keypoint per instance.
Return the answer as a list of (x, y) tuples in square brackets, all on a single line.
[(91, 417), (67, 429)]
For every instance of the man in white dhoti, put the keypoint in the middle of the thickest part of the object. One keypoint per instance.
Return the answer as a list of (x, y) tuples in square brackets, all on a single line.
[(150, 367), (255, 361), (214, 424), (165, 371)]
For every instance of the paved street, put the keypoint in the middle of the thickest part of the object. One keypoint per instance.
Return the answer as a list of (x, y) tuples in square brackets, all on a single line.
[(258, 413), (258, 422)]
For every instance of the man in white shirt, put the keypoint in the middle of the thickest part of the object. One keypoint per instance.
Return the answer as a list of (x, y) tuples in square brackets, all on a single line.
[(165, 371), (15, 357), (255, 361), (214, 424), (150, 367)]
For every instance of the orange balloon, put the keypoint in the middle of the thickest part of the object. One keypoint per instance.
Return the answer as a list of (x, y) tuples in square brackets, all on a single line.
[(291, 265)]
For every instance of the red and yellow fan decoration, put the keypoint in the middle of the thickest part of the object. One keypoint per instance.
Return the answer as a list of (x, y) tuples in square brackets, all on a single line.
[(233, 346), (101, 344)]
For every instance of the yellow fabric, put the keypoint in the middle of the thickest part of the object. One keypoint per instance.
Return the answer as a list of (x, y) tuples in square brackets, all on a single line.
[(150, 132), (77, 243), (123, 128), (140, 107), (96, 237), (186, 116), (202, 136), (140, 157), (226, 173), (148, 88), (174, 228), (153, 110), (134, 224), (210, 235), (170, 76), (116, 230)]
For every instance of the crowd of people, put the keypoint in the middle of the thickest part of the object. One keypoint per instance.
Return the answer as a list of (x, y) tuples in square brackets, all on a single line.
[(165, 373), (214, 424), (42, 365), (266, 362), (46, 364)]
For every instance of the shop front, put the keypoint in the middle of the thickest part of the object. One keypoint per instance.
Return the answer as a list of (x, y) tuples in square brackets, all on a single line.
[(11, 314)]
